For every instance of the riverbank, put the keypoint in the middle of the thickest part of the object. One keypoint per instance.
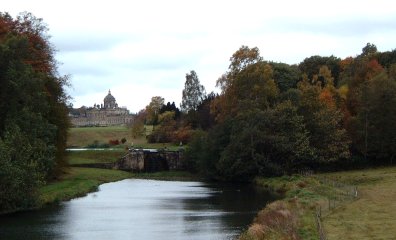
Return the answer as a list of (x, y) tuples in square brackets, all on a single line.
[(368, 215), (78, 181), (81, 178), (293, 216)]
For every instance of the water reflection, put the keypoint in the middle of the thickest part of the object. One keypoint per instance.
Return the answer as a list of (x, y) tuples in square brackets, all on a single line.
[(143, 209)]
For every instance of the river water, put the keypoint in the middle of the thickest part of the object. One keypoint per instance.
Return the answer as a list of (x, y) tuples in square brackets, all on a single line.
[(143, 209)]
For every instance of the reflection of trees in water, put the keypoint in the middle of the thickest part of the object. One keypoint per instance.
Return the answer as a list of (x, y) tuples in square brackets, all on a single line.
[(33, 225), (232, 206)]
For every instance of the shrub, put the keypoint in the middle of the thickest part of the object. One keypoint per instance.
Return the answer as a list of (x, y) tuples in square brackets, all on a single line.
[(114, 142)]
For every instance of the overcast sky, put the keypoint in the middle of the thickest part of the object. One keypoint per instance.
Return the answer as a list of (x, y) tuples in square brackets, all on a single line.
[(144, 48)]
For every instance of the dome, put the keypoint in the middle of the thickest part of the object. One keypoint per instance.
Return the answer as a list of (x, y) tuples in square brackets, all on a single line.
[(109, 97), (109, 101)]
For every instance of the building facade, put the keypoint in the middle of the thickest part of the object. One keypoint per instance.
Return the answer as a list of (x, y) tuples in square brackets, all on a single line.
[(106, 114)]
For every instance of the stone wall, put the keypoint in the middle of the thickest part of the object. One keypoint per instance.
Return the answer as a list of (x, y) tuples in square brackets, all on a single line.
[(139, 160)]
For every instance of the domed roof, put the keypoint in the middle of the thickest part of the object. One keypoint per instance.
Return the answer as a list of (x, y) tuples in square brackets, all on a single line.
[(109, 98)]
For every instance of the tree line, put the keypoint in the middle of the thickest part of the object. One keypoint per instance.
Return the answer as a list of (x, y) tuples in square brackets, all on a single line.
[(271, 118), (33, 112)]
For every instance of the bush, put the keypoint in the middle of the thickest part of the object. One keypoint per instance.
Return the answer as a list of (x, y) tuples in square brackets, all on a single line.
[(183, 135), (123, 140), (114, 142)]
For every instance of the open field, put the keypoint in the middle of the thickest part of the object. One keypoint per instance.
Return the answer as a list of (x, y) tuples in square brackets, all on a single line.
[(95, 156), (372, 216), (82, 137)]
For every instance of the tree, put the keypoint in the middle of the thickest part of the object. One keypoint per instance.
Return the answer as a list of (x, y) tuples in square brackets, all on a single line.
[(311, 66), (137, 127), (193, 92), (253, 87), (241, 59), (33, 108), (375, 120), (286, 76), (171, 108), (166, 128), (153, 109), (369, 49), (323, 120)]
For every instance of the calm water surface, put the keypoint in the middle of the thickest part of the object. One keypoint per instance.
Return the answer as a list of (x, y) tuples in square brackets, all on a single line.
[(143, 209)]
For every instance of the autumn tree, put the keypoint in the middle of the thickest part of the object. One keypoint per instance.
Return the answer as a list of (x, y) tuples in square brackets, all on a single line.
[(247, 84), (153, 109), (137, 127), (311, 66), (33, 111), (323, 120)]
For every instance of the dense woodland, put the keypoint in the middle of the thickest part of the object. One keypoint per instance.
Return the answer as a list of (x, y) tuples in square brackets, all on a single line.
[(33, 112), (270, 118)]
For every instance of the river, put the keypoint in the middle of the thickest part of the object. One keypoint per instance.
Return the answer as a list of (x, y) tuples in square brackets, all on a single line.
[(143, 209)]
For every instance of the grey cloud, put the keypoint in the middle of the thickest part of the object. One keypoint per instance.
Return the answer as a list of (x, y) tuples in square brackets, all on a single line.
[(86, 42)]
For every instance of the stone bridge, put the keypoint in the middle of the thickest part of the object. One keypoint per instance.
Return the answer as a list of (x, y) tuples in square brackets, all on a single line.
[(150, 160)]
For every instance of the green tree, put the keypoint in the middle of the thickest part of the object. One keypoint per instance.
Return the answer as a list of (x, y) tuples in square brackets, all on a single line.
[(193, 92), (266, 142), (375, 121), (286, 76), (33, 112), (369, 49), (153, 109), (20, 171), (253, 87)]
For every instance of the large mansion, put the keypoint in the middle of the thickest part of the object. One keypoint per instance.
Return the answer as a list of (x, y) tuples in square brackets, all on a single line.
[(106, 114)]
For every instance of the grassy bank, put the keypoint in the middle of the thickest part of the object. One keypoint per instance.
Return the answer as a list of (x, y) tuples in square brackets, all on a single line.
[(370, 216), (293, 216), (77, 182)]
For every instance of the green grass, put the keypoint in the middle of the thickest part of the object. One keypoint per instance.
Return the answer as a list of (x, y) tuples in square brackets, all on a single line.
[(372, 216), (301, 196), (78, 182), (82, 137), (94, 156)]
